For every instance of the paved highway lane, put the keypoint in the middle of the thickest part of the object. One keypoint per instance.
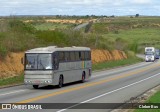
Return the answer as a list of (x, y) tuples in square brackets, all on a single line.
[(110, 86)]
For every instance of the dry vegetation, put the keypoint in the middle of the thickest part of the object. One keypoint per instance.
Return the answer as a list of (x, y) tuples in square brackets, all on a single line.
[(110, 35), (11, 65)]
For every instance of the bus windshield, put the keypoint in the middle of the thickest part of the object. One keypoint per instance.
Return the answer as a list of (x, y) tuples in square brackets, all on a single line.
[(38, 61), (149, 53), (157, 53)]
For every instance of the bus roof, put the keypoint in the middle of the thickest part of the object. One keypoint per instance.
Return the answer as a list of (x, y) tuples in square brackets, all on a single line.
[(51, 49)]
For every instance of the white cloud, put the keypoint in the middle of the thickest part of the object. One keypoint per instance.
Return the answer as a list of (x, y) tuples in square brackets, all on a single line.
[(78, 7), (84, 2), (141, 1)]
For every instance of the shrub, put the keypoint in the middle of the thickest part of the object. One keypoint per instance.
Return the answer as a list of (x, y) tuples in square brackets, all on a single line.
[(121, 44), (19, 26), (88, 27), (3, 51), (55, 37), (130, 54), (133, 47)]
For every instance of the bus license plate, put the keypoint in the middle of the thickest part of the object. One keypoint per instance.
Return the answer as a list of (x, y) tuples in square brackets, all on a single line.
[(37, 81)]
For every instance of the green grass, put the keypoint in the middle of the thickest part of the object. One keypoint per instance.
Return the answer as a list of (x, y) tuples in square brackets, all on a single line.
[(13, 80), (51, 26), (136, 39), (137, 33), (153, 99), (147, 110), (112, 64), (122, 33), (143, 35)]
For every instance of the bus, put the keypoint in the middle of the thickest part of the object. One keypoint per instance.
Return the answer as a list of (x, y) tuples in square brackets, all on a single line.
[(56, 66), (149, 54), (157, 53)]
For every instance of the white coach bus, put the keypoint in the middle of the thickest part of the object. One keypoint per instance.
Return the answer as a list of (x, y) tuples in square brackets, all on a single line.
[(56, 66)]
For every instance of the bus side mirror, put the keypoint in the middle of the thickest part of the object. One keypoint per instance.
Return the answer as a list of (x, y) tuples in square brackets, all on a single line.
[(22, 61)]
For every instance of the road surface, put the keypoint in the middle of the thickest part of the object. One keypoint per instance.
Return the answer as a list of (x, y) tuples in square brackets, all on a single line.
[(110, 86), (81, 26)]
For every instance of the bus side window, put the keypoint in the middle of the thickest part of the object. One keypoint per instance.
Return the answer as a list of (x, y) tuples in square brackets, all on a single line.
[(82, 55), (55, 61), (77, 56), (67, 56), (72, 56), (86, 55), (61, 56)]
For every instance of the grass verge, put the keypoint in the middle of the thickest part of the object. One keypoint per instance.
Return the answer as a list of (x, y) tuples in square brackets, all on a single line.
[(12, 80), (98, 66), (153, 99), (112, 64)]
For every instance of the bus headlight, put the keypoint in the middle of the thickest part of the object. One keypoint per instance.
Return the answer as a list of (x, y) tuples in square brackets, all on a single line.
[(28, 81), (47, 81)]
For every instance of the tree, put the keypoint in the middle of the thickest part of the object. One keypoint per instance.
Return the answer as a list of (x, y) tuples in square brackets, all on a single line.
[(88, 27), (112, 16), (137, 15)]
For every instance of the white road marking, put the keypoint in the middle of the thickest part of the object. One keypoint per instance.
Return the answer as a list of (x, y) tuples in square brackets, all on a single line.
[(91, 77), (13, 92), (110, 92)]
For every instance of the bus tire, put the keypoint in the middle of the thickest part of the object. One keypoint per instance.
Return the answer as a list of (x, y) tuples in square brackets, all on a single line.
[(83, 77), (35, 86), (60, 84)]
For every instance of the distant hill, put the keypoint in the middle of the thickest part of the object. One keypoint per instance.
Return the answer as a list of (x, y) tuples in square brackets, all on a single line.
[(122, 33)]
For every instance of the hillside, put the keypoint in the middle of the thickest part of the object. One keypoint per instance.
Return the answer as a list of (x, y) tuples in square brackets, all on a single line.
[(11, 65), (132, 34), (121, 33), (111, 38)]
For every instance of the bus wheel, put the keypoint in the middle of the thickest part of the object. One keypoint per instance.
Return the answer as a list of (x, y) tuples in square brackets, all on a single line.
[(60, 81), (35, 86), (83, 77)]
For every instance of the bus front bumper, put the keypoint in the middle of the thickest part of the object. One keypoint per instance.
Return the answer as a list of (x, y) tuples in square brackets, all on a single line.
[(38, 81)]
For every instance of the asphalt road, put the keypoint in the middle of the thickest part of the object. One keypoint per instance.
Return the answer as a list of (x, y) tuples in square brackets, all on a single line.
[(110, 86), (81, 26)]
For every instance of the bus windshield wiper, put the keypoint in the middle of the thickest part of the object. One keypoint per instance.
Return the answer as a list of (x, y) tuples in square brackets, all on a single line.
[(41, 64)]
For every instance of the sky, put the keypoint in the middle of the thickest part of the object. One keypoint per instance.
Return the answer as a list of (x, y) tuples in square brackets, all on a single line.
[(80, 7)]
